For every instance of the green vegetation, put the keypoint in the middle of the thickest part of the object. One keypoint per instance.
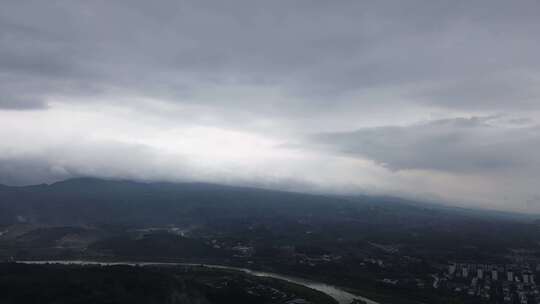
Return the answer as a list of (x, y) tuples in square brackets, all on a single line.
[(21, 283)]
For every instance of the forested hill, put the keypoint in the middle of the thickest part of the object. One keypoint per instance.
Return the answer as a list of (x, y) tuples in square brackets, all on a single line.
[(80, 201), (86, 201)]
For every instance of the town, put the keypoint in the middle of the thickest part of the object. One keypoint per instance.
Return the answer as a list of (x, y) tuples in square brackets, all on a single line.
[(510, 283)]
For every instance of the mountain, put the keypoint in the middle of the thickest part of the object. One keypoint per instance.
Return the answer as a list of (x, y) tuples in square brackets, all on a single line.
[(97, 201), (91, 201), (89, 217)]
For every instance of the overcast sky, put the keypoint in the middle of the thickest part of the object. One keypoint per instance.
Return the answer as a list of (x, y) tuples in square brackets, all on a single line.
[(437, 100)]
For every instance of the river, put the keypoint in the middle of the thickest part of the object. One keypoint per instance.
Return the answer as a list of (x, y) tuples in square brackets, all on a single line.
[(340, 295)]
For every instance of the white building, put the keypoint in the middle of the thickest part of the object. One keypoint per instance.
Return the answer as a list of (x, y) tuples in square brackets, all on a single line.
[(480, 273), (510, 276), (452, 269)]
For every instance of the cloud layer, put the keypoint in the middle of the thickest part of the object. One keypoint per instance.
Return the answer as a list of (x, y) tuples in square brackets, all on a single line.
[(420, 98), (450, 145)]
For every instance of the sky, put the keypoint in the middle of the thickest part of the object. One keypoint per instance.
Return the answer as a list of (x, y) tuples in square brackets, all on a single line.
[(432, 100)]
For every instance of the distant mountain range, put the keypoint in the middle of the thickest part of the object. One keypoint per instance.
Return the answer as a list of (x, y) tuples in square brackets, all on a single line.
[(86, 201), (78, 212)]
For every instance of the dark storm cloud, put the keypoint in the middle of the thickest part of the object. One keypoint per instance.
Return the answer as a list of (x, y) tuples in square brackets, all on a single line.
[(309, 49), (460, 145)]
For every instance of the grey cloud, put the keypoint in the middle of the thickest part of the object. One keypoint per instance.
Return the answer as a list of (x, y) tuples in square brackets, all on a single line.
[(28, 171), (311, 50), (495, 92), (120, 160), (81, 158), (461, 145), (274, 70), (17, 102)]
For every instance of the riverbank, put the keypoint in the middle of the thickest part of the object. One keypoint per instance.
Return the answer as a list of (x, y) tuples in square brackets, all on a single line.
[(340, 295)]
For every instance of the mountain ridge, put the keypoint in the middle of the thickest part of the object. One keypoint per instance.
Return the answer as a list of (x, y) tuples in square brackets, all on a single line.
[(92, 199)]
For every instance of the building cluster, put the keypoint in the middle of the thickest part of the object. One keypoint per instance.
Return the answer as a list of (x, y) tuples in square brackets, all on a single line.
[(509, 283), (314, 260), (257, 289)]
